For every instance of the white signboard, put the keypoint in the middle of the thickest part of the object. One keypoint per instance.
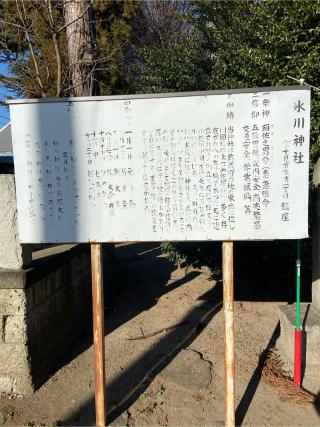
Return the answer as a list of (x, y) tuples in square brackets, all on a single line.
[(197, 166)]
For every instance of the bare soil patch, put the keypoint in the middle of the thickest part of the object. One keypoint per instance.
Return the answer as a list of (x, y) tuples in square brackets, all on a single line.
[(172, 373)]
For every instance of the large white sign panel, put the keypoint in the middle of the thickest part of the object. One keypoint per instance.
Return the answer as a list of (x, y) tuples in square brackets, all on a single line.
[(197, 166)]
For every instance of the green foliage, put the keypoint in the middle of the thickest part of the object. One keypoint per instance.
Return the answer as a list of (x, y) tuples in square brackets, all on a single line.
[(195, 254), (115, 31), (267, 43), (238, 44), (178, 67), (170, 56), (36, 76)]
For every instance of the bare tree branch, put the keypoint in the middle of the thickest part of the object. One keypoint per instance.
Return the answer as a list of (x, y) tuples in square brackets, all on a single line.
[(82, 82), (56, 44), (24, 24)]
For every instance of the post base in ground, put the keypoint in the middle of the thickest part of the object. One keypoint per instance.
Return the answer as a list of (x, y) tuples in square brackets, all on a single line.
[(310, 320)]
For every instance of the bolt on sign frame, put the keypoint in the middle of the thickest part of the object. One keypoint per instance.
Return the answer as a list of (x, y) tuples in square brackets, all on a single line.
[(213, 166)]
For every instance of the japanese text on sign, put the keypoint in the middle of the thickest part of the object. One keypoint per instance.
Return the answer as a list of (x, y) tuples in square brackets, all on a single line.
[(213, 166)]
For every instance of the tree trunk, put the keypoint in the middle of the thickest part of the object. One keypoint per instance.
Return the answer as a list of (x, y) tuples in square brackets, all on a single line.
[(82, 54), (82, 49)]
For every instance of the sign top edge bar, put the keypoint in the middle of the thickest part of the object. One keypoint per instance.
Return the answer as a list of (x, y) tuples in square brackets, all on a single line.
[(160, 95)]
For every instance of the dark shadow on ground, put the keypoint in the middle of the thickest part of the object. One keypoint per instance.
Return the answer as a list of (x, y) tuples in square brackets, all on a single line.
[(263, 270), (253, 384), (317, 404), (144, 280), (142, 277), (127, 388), (138, 274)]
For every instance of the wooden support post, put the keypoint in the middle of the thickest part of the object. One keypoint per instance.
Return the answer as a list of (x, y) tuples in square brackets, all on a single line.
[(98, 333), (228, 311)]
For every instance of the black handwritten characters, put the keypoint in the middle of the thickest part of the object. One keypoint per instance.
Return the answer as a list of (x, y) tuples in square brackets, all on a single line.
[(236, 167)]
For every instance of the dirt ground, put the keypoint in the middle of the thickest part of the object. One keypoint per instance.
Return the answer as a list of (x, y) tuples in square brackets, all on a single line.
[(170, 378)]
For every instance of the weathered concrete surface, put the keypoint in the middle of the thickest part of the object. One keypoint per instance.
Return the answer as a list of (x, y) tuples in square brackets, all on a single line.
[(316, 239), (43, 309), (13, 255), (310, 319), (188, 370), (12, 279)]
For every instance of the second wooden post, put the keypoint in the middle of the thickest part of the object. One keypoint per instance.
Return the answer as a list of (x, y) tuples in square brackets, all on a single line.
[(98, 333), (229, 351)]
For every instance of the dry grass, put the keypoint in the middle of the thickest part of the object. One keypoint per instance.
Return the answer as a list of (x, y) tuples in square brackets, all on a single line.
[(274, 374)]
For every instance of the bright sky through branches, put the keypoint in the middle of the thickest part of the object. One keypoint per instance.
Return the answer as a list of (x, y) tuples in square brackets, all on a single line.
[(4, 111)]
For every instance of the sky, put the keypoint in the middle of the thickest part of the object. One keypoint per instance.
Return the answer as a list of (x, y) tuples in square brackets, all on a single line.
[(4, 111)]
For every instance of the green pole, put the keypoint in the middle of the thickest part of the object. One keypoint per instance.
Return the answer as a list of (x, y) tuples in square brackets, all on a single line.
[(298, 330), (298, 264), (298, 270)]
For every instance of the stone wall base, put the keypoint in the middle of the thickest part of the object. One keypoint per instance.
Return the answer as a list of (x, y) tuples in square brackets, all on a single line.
[(43, 310)]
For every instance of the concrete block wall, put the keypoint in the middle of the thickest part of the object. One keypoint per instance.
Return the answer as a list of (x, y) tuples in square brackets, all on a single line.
[(55, 309), (43, 310)]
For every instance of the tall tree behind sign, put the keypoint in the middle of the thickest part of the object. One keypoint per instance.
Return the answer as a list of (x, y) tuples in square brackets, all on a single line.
[(82, 47), (33, 41)]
